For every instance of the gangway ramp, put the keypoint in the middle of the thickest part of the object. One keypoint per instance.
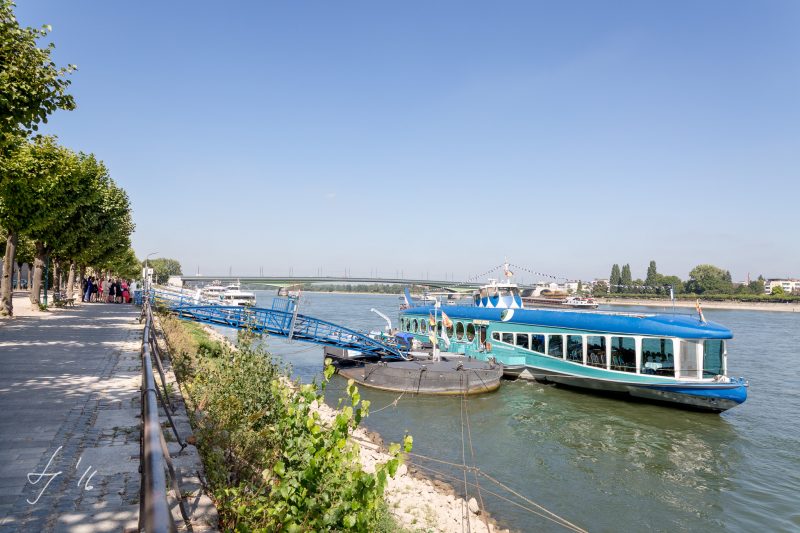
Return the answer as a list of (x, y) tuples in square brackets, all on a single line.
[(281, 320)]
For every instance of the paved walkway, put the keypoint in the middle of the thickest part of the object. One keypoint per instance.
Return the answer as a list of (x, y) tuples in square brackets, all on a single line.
[(69, 426)]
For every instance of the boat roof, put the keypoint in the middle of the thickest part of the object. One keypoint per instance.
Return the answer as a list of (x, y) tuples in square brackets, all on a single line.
[(664, 325)]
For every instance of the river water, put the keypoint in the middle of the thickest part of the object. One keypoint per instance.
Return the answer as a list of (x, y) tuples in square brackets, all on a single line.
[(601, 463)]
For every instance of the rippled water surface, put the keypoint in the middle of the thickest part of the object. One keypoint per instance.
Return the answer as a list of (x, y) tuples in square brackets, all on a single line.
[(604, 464)]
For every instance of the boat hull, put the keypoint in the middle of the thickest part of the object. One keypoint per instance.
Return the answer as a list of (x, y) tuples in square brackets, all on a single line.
[(715, 397), (452, 377)]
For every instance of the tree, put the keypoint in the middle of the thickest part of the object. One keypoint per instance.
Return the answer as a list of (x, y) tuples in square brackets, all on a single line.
[(672, 281), (708, 279), (615, 279), (653, 278), (626, 279), (31, 88), (777, 290), (163, 268), (600, 289), (44, 179)]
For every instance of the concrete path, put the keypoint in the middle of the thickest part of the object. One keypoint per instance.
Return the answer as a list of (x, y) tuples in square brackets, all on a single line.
[(69, 420)]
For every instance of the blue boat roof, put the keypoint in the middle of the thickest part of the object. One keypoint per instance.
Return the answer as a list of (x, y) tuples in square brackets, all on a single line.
[(662, 325)]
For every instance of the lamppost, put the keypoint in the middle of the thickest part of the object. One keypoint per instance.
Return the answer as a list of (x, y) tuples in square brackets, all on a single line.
[(146, 272)]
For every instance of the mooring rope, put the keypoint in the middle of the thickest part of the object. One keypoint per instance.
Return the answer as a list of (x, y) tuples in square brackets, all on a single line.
[(557, 520), (472, 450), (391, 404), (464, 513)]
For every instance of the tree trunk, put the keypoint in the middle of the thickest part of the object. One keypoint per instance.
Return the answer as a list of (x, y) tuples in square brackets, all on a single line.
[(56, 276), (6, 303), (38, 268), (30, 276), (71, 280), (19, 276)]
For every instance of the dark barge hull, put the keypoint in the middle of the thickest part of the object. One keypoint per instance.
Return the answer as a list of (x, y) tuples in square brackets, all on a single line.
[(446, 377)]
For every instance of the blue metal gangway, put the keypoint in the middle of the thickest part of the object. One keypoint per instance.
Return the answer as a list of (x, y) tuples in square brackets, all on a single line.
[(281, 320)]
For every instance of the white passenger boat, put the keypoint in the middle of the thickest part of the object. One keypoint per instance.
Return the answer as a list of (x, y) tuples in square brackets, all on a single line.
[(234, 295), (670, 358)]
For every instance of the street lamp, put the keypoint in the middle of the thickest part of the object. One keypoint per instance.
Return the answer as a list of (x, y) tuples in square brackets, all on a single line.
[(146, 287)]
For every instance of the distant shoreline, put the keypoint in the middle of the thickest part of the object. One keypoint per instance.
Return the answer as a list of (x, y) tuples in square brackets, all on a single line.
[(791, 307)]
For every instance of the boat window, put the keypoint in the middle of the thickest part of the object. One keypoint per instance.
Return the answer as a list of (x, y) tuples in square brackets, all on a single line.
[(439, 328), (496, 335), (575, 348), (508, 338), (423, 326), (523, 341), (459, 330), (658, 357), (537, 343), (470, 332), (712, 358), (688, 364), (623, 354), (415, 325), (450, 330), (555, 346), (596, 351)]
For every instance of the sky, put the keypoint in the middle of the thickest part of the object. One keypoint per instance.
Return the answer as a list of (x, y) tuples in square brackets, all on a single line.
[(435, 139)]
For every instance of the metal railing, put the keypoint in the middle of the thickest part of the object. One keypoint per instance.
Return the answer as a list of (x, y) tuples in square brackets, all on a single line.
[(155, 462)]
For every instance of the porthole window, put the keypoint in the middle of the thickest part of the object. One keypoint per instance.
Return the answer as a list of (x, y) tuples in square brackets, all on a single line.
[(423, 326), (439, 328), (414, 325), (459, 330), (470, 332), (450, 330)]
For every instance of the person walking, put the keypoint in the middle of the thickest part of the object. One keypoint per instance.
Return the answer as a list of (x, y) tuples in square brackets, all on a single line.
[(126, 295)]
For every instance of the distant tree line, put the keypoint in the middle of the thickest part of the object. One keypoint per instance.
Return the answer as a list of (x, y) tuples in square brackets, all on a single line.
[(707, 280), (380, 288)]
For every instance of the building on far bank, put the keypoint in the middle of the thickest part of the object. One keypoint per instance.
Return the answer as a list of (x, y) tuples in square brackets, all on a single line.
[(788, 285)]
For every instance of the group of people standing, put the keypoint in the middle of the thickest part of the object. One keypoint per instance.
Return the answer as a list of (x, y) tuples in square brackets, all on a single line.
[(116, 290)]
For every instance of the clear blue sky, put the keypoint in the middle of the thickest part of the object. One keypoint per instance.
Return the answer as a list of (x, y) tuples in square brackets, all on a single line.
[(436, 138)]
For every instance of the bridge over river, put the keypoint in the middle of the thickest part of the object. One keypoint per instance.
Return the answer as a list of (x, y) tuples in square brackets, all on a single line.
[(294, 281)]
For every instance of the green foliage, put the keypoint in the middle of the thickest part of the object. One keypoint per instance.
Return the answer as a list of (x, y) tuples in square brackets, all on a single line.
[(709, 279), (672, 281), (625, 277), (31, 85), (616, 279), (777, 290), (272, 462), (652, 278), (600, 289), (163, 268)]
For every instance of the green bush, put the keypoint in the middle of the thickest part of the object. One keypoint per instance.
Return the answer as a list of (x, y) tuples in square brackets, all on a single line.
[(272, 463)]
